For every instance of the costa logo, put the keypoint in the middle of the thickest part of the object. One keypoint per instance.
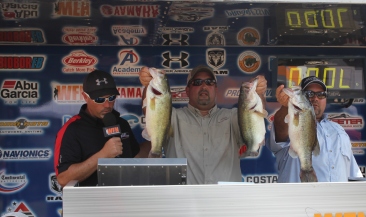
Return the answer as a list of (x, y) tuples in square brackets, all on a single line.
[(79, 58), (248, 37), (249, 62)]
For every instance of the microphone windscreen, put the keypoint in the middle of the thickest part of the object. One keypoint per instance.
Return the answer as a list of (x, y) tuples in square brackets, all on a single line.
[(109, 119)]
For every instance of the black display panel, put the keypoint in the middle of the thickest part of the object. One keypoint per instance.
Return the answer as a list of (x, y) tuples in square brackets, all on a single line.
[(316, 24), (344, 77)]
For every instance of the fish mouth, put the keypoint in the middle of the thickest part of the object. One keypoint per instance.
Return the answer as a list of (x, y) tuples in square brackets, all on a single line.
[(297, 108), (156, 91), (253, 106)]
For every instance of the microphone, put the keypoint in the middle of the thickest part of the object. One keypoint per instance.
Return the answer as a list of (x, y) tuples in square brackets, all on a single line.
[(111, 128)]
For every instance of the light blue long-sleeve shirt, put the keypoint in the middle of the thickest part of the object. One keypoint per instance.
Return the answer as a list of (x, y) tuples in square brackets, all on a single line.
[(335, 163)]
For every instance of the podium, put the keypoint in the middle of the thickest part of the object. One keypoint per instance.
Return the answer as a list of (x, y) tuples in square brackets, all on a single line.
[(221, 200)]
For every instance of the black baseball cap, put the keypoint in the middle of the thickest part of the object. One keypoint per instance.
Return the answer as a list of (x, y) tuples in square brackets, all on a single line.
[(99, 83), (312, 80), (200, 68)]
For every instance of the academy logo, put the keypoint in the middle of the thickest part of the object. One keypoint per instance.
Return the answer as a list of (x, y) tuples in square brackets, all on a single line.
[(18, 209), (180, 39), (70, 8), (216, 57), (23, 62), (128, 60), (140, 11), (169, 59), (23, 126), (249, 62), (55, 187), (79, 35), (248, 37), (67, 93), (79, 61), (179, 94), (25, 154), (14, 36), (127, 34), (14, 11), (12, 183), (215, 39), (23, 91)]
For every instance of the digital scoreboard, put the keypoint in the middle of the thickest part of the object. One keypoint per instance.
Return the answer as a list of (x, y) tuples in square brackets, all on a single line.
[(344, 77), (316, 24)]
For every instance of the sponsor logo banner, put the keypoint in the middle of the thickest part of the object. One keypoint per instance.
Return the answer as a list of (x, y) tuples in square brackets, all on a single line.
[(83, 35), (24, 36), (25, 154), (79, 61), (140, 11), (127, 66), (11, 183), (23, 91), (70, 8), (15, 11)]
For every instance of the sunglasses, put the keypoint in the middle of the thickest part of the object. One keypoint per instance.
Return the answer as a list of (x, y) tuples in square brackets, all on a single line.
[(101, 100), (199, 82), (311, 94)]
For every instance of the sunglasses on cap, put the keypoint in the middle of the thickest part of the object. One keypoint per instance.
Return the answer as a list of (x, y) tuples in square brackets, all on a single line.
[(311, 94), (199, 82), (100, 100)]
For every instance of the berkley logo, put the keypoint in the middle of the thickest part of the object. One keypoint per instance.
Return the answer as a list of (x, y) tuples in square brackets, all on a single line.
[(79, 39), (79, 58)]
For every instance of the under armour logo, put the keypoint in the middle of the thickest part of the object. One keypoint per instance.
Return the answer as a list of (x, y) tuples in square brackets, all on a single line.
[(182, 59), (180, 41), (100, 81)]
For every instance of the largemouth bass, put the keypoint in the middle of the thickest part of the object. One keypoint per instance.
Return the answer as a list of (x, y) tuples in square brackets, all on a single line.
[(251, 116), (158, 104), (302, 132)]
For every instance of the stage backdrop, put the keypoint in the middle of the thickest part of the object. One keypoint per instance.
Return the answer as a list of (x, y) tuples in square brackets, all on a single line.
[(47, 48)]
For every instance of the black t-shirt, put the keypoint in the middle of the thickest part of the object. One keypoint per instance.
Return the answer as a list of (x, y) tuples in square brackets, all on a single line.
[(82, 136)]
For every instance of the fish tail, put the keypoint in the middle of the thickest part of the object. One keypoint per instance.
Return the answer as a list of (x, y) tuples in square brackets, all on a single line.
[(308, 176), (154, 155)]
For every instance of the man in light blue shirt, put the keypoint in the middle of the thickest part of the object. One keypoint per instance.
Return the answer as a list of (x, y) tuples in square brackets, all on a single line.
[(335, 163)]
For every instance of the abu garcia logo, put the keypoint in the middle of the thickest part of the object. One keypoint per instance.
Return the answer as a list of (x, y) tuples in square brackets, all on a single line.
[(14, 90)]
